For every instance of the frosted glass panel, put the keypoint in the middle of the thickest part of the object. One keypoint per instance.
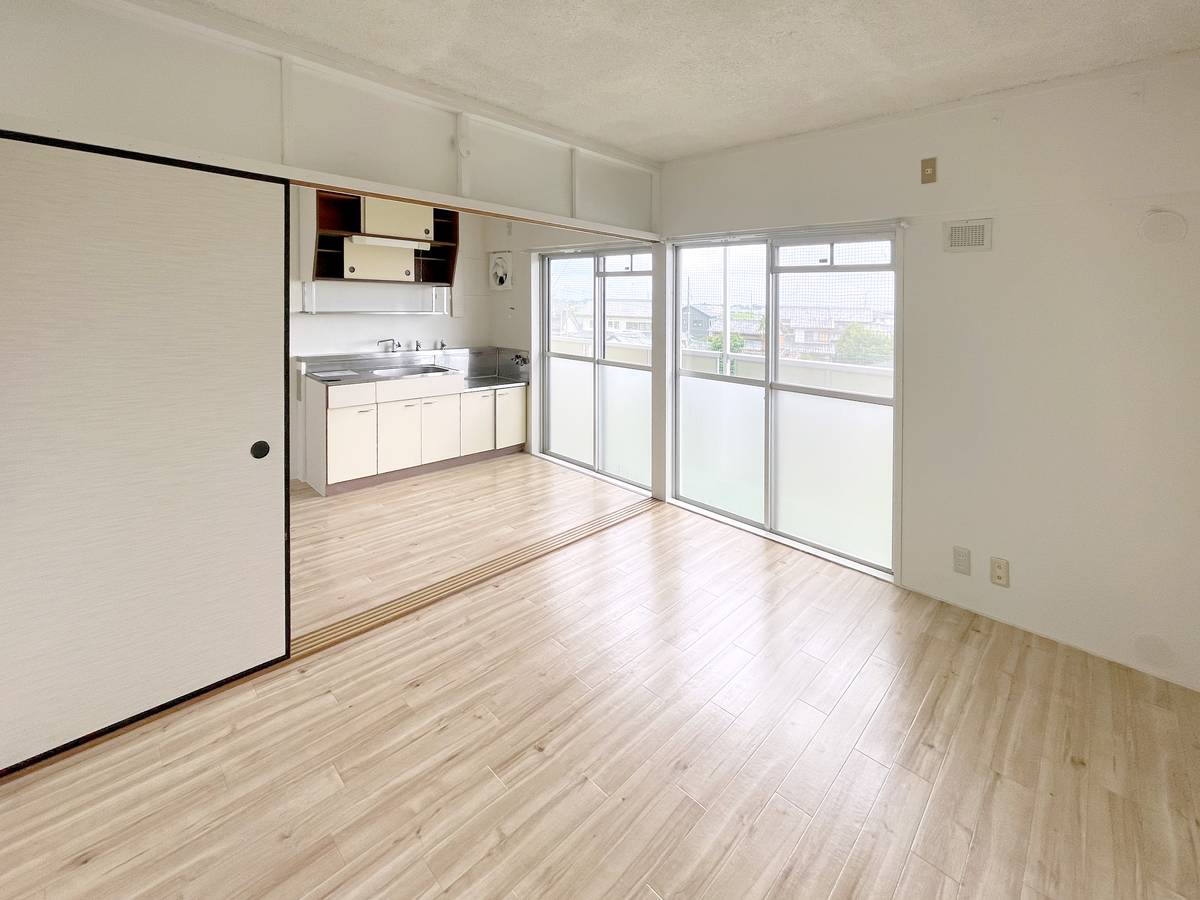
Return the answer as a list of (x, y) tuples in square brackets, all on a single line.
[(572, 402), (833, 474), (625, 424), (721, 445)]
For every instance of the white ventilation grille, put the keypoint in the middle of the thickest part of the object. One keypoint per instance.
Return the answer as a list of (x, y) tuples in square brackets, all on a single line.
[(967, 234)]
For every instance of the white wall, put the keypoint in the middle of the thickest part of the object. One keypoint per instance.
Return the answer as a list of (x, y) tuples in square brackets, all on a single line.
[(1049, 386), (110, 72)]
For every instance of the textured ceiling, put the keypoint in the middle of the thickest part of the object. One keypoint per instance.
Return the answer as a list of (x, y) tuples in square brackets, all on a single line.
[(669, 78)]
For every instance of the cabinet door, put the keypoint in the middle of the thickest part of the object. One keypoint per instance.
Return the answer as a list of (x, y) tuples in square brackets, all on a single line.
[(439, 428), (399, 435), (478, 422), (350, 394), (510, 417), (370, 262), (352, 443), (396, 219)]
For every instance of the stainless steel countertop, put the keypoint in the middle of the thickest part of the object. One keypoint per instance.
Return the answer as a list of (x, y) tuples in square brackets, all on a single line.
[(481, 383), (481, 368), (367, 377)]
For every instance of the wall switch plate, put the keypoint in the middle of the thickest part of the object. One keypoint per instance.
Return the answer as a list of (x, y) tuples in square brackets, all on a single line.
[(962, 560), (929, 170), (999, 571)]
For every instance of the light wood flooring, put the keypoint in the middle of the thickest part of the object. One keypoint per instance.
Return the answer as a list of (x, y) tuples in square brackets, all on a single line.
[(670, 708), (354, 551)]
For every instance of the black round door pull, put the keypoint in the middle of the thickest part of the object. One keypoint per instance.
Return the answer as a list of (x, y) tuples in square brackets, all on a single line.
[(259, 449)]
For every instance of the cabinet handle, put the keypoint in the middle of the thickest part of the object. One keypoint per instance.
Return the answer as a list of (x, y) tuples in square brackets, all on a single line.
[(409, 405), (361, 411)]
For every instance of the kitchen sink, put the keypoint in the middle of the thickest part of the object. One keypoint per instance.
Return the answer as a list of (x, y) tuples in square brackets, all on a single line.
[(410, 371)]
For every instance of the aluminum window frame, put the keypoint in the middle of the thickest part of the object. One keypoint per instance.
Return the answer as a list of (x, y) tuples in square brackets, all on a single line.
[(891, 231), (599, 347), (725, 355)]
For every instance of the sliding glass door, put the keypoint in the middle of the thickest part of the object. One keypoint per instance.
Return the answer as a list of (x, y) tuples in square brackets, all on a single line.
[(597, 312), (784, 388), (721, 396)]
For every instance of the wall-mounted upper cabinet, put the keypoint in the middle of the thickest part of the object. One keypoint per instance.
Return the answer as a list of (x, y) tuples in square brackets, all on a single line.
[(374, 262), (396, 219), (375, 239)]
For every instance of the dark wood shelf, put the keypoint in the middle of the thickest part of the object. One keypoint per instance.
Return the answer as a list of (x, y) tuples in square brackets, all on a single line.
[(339, 216)]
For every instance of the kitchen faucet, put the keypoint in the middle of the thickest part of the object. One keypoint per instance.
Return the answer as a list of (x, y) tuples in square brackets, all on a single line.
[(392, 345)]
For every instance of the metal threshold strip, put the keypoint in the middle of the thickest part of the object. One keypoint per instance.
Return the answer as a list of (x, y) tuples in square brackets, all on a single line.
[(352, 626)]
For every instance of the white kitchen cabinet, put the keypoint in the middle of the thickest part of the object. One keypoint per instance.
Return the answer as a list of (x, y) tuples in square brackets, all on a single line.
[(351, 394), (352, 443), (399, 435), (394, 218), (372, 262), (510, 416), (439, 428), (478, 427)]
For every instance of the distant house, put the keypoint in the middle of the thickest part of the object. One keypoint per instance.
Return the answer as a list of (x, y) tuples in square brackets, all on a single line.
[(815, 333), (696, 323), (627, 315), (751, 328)]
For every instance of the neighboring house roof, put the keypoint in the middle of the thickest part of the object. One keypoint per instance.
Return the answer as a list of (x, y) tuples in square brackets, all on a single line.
[(628, 308), (746, 326)]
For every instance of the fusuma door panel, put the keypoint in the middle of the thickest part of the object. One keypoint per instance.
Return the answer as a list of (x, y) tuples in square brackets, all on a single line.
[(143, 342)]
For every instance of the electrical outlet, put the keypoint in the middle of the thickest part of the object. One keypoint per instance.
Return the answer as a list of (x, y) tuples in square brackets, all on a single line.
[(962, 560), (999, 571), (929, 170)]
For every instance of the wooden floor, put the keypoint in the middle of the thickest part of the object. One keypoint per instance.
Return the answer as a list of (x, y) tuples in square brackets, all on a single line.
[(354, 551), (670, 708)]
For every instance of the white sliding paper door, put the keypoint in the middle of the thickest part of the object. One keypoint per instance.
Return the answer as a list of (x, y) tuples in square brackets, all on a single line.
[(142, 341)]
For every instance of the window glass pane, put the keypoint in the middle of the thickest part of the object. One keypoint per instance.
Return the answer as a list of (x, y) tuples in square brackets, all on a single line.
[(804, 255), (837, 330), (862, 253), (572, 283), (721, 445), (701, 277), (746, 288), (833, 474), (627, 311), (572, 402), (723, 290), (626, 262), (625, 423)]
